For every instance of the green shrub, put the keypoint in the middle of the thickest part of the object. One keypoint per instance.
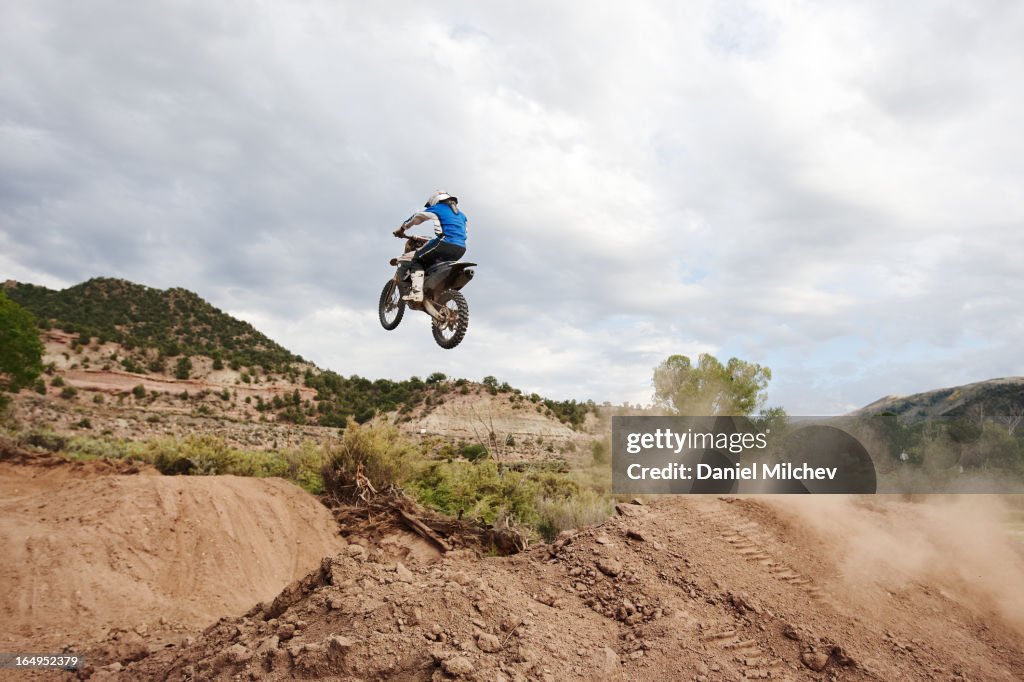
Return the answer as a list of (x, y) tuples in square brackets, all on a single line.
[(210, 455), (378, 452), (139, 392), (57, 382), (130, 365), (304, 465), (477, 491), (45, 439), (183, 369), (583, 508), (473, 452), (88, 447)]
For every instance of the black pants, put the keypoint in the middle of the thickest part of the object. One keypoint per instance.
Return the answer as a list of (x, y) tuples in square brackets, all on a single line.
[(430, 253)]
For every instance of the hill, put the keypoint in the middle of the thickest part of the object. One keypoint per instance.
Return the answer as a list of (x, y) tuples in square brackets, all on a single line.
[(172, 322), (993, 397), (128, 360)]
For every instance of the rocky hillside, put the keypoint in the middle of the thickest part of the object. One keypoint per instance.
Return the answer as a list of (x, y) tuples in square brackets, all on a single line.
[(1003, 396), (130, 361), (513, 426), (171, 322)]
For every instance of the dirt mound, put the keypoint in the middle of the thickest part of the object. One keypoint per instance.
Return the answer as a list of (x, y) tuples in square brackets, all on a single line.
[(685, 589), (91, 554)]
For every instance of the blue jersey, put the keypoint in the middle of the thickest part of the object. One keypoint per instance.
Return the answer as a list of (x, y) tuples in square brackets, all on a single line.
[(453, 225)]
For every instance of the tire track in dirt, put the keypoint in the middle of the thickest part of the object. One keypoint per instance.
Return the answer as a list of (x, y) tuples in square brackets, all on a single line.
[(758, 664), (757, 545), (728, 643)]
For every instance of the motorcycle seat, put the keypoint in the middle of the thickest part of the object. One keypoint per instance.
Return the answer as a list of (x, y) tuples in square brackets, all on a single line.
[(440, 264)]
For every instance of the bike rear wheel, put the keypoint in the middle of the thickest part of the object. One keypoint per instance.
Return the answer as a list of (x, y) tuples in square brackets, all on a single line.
[(391, 307), (451, 328)]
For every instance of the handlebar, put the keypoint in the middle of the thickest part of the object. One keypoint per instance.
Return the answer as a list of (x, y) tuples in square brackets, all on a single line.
[(412, 238)]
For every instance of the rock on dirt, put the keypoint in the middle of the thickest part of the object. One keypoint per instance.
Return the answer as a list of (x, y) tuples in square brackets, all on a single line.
[(488, 643), (459, 666), (402, 573), (610, 567), (815, 660), (339, 644)]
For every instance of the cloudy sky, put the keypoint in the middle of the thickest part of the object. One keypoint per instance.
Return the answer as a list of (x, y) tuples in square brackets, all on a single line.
[(832, 189)]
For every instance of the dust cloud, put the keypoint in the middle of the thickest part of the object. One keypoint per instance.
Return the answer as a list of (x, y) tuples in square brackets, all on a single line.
[(960, 545)]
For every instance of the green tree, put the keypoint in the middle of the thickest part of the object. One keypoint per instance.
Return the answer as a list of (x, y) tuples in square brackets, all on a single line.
[(709, 387), (21, 351), (771, 419)]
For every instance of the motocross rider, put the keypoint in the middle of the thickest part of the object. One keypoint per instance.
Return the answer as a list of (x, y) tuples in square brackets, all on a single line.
[(442, 210)]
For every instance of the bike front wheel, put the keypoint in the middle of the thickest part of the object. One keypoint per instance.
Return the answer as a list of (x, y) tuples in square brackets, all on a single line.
[(391, 307)]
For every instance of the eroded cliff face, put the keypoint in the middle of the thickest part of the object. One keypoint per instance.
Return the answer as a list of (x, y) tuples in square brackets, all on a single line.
[(522, 430)]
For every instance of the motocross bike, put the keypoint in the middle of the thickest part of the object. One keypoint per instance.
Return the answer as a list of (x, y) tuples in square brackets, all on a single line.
[(442, 300)]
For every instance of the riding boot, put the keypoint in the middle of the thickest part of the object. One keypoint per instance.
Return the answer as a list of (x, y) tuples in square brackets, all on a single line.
[(415, 294)]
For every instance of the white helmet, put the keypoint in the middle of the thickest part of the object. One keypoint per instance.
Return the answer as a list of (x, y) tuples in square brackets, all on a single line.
[(439, 195)]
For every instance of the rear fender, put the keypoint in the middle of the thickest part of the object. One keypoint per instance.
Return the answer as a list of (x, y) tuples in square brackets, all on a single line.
[(454, 276)]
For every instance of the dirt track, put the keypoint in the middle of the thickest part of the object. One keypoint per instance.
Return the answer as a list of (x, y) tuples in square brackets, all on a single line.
[(685, 589)]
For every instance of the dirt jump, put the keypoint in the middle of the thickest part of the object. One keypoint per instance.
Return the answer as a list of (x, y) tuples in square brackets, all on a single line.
[(93, 551)]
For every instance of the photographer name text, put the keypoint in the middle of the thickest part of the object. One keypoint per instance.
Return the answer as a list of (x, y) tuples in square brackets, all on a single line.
[(785, 471)]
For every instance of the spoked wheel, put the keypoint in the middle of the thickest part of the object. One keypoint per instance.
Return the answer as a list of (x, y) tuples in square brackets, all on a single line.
[(392, 307), (449, 330)]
